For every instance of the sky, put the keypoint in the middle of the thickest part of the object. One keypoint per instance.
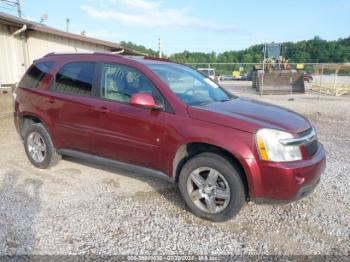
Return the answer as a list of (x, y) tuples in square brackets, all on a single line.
[(195, 25)]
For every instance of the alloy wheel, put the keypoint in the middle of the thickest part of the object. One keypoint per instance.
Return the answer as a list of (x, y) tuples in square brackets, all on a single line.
[(36, 147), (208, 189)]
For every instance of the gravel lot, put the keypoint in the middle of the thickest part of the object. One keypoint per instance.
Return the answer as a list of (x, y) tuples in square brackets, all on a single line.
[(79, 208)]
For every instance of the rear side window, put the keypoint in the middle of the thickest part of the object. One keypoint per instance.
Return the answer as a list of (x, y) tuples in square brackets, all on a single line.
[(35, 74), (76, 78)]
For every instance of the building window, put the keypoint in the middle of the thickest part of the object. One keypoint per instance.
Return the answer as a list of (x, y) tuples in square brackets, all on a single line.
[(35, 74), (76, 78)]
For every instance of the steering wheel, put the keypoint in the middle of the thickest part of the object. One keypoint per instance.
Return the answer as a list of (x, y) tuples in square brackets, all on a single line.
[(192, 89)]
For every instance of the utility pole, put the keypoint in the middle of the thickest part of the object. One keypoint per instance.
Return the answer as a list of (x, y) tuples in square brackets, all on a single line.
[(14, 3), (19, 11), (67, 24), (160, 48), (263, 71)]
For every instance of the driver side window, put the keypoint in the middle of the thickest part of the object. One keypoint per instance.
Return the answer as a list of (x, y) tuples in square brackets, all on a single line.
[(119, 83)]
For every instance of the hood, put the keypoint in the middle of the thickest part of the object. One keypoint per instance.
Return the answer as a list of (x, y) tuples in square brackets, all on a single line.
[(250, 115)]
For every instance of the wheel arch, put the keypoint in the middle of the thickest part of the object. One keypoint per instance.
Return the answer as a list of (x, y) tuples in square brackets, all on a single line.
[(27, 119), (187, 151)]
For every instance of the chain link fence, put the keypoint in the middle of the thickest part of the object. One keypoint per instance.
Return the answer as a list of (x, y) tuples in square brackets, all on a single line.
[(328, 78)]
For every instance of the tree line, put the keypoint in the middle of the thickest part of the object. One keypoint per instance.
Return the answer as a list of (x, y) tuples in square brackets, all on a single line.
[(315, 50)]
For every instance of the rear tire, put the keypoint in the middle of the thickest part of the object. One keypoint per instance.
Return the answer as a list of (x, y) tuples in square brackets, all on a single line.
[(212, 187), (39, 147)]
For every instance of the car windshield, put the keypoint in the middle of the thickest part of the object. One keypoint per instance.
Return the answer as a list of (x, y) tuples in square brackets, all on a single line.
[(189, 85)]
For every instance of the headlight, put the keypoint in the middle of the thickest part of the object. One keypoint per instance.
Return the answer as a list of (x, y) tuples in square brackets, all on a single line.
[(270, 148)]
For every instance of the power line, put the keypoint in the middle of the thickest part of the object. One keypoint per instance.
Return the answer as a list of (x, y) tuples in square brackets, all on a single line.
[(6, 8), (14, 3)]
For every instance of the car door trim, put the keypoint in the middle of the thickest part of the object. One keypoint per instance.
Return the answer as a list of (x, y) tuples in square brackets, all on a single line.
[(115, 164)]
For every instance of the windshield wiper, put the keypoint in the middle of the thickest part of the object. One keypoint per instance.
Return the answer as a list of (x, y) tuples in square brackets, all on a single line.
[(210, 102), (205, 103)]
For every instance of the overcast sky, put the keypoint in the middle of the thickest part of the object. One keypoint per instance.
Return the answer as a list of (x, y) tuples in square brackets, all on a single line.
[(195, 25)]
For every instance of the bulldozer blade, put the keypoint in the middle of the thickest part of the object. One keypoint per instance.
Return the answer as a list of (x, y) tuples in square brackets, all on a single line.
[(279, 82)]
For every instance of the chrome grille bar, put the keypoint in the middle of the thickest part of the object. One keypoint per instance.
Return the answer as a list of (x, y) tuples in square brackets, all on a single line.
[(301, 140)]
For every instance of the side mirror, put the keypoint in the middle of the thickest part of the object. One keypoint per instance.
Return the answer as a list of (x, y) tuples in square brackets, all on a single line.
[(144, 100)]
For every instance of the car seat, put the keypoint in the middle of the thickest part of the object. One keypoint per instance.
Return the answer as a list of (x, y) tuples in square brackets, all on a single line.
[(114, 88)]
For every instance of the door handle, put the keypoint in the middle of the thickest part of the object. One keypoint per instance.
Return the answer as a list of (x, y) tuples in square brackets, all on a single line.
[(50, 100), (101, 109)]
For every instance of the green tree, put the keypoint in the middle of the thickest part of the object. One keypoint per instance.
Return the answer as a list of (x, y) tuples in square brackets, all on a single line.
[(315, 50)]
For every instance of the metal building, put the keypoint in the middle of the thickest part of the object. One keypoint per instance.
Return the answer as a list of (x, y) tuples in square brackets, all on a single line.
[(22, 41)]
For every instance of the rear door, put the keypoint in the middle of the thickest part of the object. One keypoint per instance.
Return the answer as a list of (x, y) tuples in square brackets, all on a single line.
[(128, 133), (73, 106)]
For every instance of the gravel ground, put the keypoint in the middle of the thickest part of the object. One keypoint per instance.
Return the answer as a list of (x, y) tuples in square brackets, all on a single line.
[(79, 208)]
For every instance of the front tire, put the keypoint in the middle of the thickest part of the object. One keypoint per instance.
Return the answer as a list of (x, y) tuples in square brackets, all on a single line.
[(212, 187), (39, 147)]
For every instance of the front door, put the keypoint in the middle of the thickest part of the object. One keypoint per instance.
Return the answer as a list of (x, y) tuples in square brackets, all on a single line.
[(128, 133)]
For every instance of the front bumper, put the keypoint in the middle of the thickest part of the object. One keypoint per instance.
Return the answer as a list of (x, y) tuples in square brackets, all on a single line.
[(290, 181), (306, 190)]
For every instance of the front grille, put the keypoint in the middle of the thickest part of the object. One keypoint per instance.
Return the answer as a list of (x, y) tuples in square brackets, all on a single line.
[(305, 132), (310, 147)]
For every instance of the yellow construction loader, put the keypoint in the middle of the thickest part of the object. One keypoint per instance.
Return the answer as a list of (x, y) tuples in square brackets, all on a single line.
[(274, 75)]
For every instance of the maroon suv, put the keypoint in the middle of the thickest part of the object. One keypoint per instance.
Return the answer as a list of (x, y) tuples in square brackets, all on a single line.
[(167, 119)]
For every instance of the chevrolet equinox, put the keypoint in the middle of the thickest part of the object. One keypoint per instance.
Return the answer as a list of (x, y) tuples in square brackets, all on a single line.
[(169, 120)]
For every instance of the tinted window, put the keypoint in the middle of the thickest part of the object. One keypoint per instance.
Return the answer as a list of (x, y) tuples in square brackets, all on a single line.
[(76, 78), (120, 82), (35, 74)]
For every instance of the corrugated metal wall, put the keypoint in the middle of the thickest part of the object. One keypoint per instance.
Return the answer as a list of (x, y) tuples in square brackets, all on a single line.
[(38, 44), (11, 56)]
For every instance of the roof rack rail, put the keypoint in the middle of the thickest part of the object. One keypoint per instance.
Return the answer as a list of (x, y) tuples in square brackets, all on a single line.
[(156, 58), (147, 58), (68, 53), (87, 53), (109, 53)]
